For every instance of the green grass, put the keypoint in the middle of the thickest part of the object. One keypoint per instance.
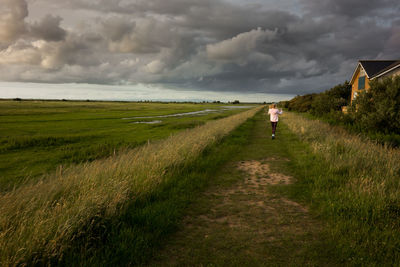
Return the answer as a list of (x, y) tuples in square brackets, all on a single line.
[(352, 184), (42, 220), (38, 136), (136, 236), (202, 243), (151, 222)]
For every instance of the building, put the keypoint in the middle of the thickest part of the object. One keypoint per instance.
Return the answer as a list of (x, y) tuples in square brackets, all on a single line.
[(368, 70)]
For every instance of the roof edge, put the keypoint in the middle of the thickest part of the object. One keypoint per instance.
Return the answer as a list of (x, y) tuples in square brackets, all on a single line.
[(355, 71), (386, 70)]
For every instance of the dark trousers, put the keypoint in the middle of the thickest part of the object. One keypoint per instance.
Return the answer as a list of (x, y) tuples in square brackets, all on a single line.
[(273, 125)]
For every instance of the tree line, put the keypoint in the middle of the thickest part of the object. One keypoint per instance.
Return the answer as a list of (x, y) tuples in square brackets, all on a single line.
[(374, 113)]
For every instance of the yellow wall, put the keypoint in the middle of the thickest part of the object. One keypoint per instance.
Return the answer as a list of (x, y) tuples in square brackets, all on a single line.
[(354, 85)]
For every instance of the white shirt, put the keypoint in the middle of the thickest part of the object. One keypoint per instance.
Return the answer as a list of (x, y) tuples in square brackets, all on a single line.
[(274, 112)]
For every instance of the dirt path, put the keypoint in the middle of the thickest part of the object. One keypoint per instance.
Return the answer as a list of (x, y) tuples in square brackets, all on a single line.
[(245, 218)]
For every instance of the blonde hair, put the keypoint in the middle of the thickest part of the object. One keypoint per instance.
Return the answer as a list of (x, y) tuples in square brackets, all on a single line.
[(272, 106)]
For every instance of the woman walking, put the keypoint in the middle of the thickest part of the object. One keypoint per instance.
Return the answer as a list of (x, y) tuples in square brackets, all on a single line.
[(274, 112)]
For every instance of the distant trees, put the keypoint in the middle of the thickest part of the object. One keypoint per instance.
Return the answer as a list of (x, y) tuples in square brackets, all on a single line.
[(300, 103), (332, 100), (323, 103), (375, 112)]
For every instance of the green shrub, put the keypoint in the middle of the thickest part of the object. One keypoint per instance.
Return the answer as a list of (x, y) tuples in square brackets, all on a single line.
[(375, 113), (332, 99), (322, 103), (378, 109), (301, 103)]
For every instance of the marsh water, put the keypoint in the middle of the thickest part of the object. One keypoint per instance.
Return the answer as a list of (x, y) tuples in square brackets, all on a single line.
[(192, 113)]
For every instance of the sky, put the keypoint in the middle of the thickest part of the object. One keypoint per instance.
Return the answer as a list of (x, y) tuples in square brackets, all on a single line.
[(202, 47)]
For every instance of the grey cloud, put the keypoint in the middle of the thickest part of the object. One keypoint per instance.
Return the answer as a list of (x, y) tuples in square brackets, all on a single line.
[(155, 66), (48, 29), (141, 36), (214, 18), (171, 7), (351, 8), (115, 28), (241, 47), (223, 22), (12, 24), (50, 55), (76, 50), (210, 44), (393, 43), (20, 53)]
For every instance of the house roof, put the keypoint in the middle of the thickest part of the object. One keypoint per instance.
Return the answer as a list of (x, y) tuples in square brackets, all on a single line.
[(389, 68), (373, 67)]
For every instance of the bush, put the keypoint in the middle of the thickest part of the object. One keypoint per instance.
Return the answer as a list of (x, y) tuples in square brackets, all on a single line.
[(323, 103), (331, 100), (375, 113), (378, 109), (301, 103)]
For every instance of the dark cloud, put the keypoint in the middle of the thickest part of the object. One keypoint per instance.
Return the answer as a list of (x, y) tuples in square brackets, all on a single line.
[(393, 43), (240, 48), (48, 29), (352, 8), (204, 45), (115, 28)]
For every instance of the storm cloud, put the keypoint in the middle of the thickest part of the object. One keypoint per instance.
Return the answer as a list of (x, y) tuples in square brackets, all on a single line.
[(291, 47)]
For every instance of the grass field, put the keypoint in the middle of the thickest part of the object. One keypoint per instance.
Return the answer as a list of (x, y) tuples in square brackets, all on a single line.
[(134, 207), (349, 184), (36, 137), (234, 222), (40, 221), (352, 183)]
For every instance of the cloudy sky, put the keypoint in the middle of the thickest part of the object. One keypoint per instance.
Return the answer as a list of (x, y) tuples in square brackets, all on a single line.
[(244, 46)]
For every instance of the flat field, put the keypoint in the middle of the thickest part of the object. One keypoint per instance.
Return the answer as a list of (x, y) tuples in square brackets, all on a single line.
[(37, 137)]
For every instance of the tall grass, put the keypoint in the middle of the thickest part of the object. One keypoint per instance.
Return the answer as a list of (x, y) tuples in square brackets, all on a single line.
[(40, 220), (356, 186)]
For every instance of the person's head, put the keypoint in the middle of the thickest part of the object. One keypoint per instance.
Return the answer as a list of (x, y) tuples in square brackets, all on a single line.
[(272, 106)]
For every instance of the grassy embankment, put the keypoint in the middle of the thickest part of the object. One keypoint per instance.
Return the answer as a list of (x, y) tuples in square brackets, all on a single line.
[(243, 217), (351, 185), (41, 220), (354, 184), (37, 137)]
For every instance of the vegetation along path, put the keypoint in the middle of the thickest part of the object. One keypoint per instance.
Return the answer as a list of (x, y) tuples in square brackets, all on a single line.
[(246, 216)]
